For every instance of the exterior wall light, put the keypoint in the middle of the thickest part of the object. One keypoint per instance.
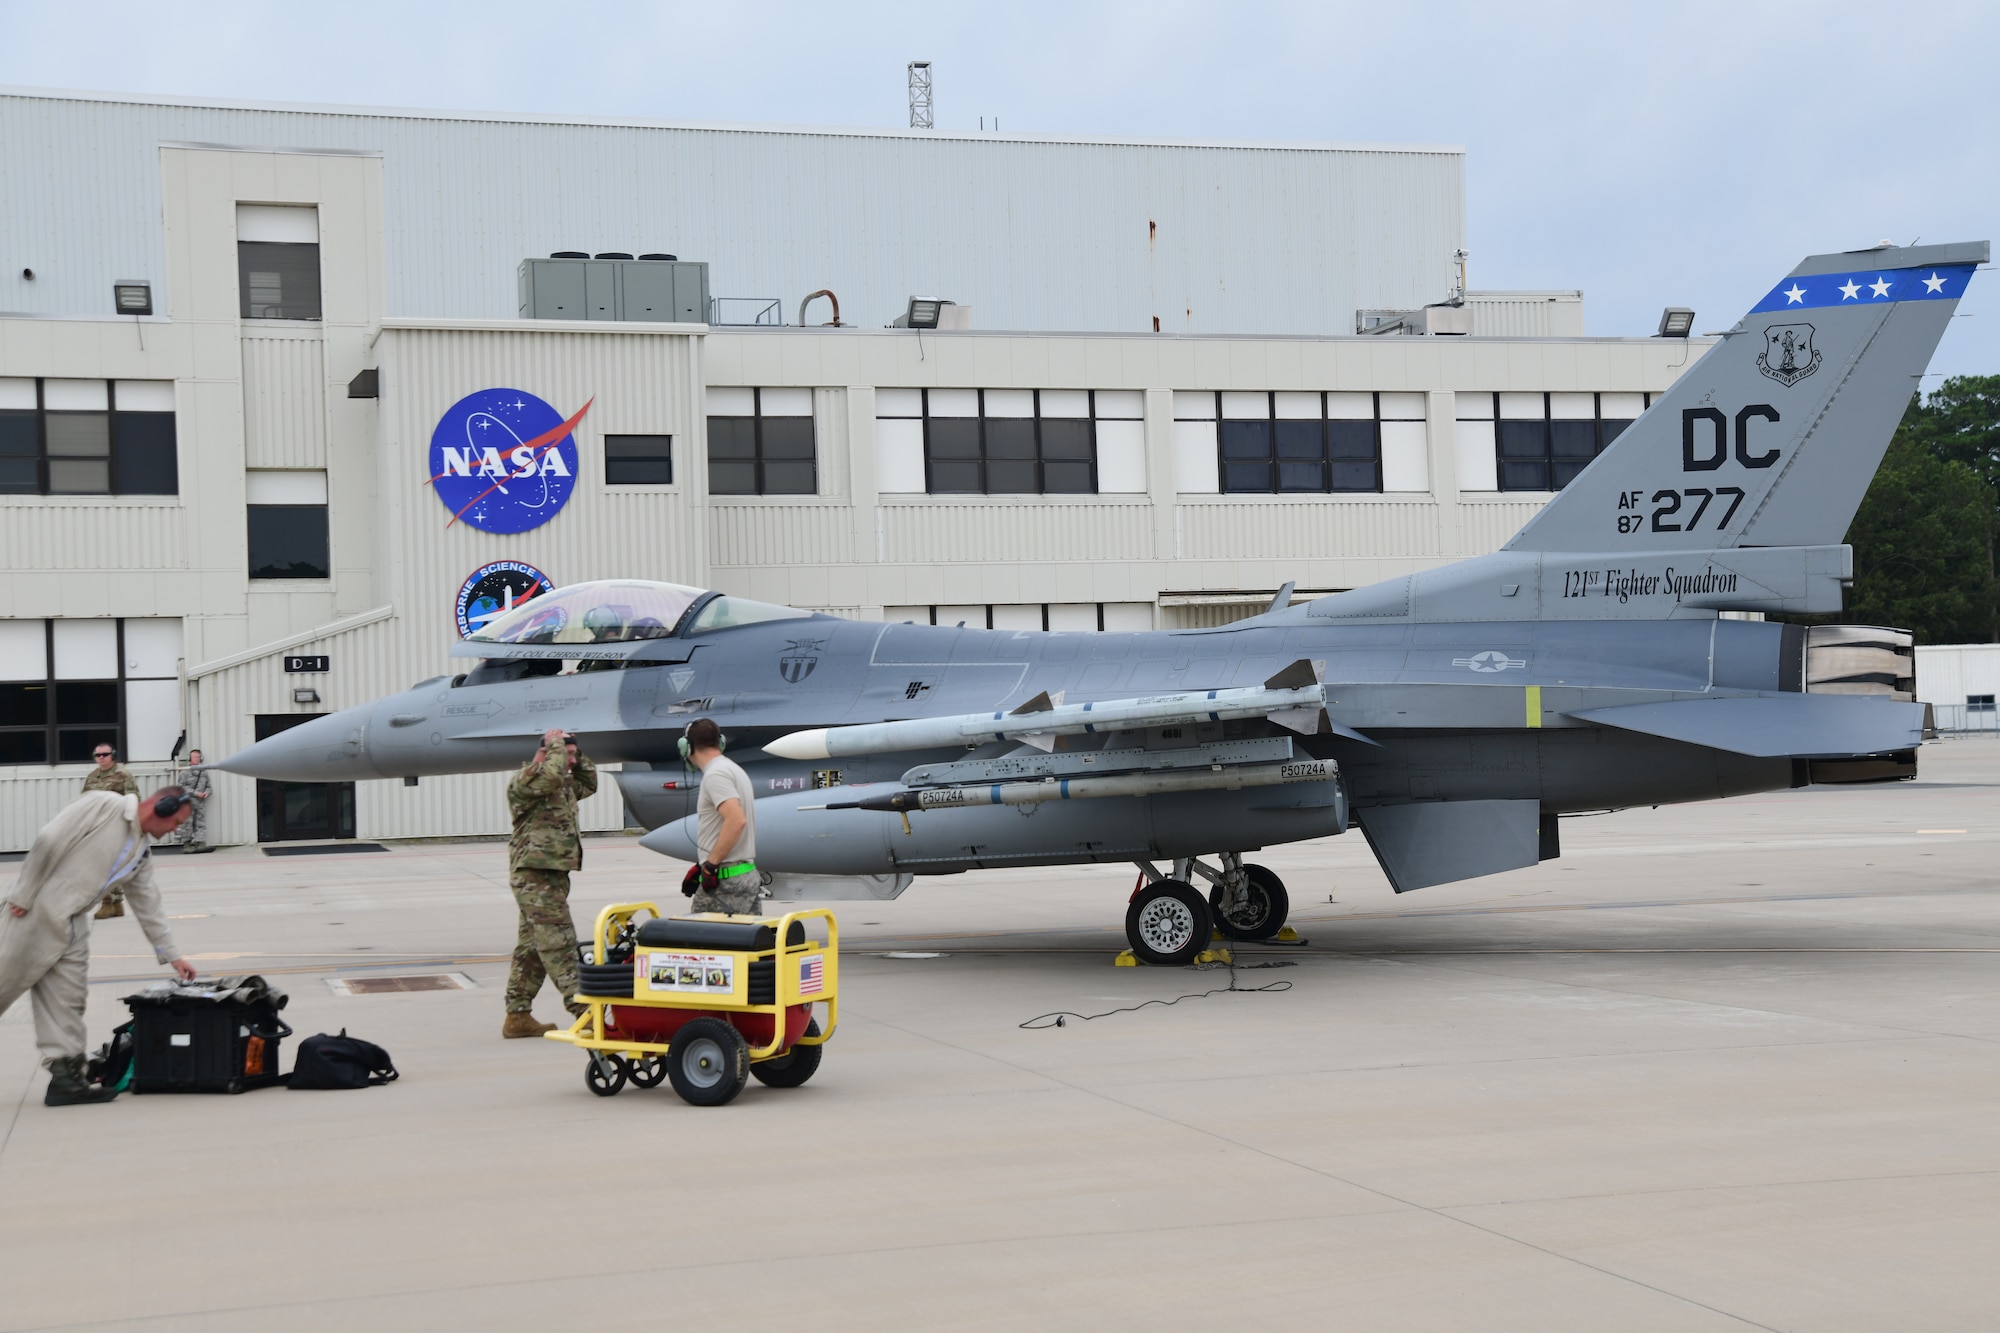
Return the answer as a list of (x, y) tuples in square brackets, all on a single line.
[(308, 695), (1675, 322), (923, 313), (133, 298)]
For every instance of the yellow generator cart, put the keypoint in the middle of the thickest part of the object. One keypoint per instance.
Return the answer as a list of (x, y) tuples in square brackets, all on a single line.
[(706, 1001)]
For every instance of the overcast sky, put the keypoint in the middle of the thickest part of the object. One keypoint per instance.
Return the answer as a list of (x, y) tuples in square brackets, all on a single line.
[(1676, 154)]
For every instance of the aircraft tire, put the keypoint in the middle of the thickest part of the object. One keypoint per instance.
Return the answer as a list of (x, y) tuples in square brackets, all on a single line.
[(1267, 892), (708, 1061), (1168, 923), (794, 1066)]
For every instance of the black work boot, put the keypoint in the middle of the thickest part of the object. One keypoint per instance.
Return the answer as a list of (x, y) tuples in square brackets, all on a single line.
[(69, 1087)]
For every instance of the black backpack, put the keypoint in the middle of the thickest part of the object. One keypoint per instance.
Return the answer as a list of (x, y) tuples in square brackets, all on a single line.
[(341, 1062)]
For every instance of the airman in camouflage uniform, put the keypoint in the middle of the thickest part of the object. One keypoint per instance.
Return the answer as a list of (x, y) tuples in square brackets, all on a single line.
[(546, 846), (110, 775), (195, 782)]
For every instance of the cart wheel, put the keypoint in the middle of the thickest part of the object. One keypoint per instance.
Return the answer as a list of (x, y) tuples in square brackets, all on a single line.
[(1167, 923), (649, 1071), (605, 1074), (794, 1066), (1265, 907), (708, 1061)]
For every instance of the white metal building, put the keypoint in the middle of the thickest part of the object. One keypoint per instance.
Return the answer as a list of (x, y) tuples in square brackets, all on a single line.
[(261, 502)]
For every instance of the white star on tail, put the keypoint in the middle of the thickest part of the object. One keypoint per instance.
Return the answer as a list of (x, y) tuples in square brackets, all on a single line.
[(1880, 286), (1796, 295), (1851, 291), (1933, 284)]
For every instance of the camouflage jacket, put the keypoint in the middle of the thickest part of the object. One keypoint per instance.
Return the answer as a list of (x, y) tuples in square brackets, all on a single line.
[(542, 798), (113, 779)]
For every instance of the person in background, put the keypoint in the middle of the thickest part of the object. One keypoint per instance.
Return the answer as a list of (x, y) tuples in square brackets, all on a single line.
[(99, 842), (725, 827), (110, 775), (194, 781), (547, 845)]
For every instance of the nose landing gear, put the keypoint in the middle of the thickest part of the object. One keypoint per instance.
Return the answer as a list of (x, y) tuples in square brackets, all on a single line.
[(1168, 923)]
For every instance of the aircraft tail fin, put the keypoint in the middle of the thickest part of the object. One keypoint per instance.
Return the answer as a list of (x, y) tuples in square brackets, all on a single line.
[(1772, 437)]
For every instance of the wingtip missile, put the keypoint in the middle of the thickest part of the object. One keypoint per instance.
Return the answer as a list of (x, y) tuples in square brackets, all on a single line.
[(801, 745)]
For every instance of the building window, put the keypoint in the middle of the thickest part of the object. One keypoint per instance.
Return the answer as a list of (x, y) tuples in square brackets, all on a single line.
[(69, 686), (760, 442), (638, 460), (1978, 703), (277, 261), (87, 437), (1318, 443), (1010, 441), (1063, 617), (287, 525), (1540, 441)]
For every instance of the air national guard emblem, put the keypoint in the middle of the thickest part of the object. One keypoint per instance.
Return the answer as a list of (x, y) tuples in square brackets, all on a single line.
[(800, 659), (1789, 355)]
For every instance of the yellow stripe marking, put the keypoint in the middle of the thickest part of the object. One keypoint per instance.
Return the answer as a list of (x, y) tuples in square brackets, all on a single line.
[(1534, 705)]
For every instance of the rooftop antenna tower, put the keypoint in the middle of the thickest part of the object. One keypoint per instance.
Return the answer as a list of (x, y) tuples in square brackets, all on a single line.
[(920, 95)]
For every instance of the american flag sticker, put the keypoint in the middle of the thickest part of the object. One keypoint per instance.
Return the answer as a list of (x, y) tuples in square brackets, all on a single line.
[(812, 975)]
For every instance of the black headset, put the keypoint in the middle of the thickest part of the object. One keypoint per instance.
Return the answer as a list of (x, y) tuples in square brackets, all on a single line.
[(168, 806), (687, 747)]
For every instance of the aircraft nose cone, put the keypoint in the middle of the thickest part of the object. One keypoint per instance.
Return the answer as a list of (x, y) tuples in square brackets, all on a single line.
[(675, 839), (333, 748)]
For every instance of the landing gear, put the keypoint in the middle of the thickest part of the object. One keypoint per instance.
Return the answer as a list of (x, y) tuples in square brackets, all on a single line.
[(1253, 910), (1167, 923)]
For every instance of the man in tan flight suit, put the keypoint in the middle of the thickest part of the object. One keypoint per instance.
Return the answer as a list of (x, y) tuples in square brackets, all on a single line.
[(547, 845), (100, 841), (110, 775)]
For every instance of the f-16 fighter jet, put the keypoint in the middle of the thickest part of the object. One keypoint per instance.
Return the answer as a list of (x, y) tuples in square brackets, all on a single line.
[(1453, 714)]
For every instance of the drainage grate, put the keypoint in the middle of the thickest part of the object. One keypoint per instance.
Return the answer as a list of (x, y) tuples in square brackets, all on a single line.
[(398, 985)]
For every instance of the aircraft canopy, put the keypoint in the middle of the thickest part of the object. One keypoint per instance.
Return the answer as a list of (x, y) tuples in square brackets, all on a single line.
[(608, 611)]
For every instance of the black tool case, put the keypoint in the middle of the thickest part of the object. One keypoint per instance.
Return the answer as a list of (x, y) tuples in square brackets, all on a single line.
[(215, 1035)]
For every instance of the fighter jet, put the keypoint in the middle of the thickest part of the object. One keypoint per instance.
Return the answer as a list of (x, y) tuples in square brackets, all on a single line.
[(1598, 661)]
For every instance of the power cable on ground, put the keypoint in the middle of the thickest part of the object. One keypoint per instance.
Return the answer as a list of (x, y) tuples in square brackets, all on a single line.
[(1043, 1021)]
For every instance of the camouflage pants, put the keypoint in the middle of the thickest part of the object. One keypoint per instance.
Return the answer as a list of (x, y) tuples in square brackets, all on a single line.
[(736, 896), (545, 944), (194, 833)]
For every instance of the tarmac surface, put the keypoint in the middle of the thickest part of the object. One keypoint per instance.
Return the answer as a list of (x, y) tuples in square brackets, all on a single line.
[(1719, 1067)]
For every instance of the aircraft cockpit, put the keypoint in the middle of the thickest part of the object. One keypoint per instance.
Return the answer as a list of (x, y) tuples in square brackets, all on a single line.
[(606, 625)]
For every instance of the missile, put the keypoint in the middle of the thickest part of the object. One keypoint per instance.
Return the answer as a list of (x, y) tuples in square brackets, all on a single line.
[(1222, 778), (1298, 707)]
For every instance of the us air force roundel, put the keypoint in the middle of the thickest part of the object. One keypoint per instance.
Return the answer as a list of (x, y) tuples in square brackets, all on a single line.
[(503, 460), (495, 589)]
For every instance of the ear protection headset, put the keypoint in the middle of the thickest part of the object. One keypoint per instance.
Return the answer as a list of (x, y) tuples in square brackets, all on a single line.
[(687, 746), (167, 806)]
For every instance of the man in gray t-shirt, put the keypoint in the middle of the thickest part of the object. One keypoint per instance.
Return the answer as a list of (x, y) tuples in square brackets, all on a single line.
[(725, 826)]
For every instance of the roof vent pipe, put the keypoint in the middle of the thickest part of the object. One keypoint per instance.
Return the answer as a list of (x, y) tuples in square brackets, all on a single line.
[(833, 300)]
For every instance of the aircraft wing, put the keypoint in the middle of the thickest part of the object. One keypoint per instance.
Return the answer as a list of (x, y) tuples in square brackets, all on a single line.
[(1796, 726)]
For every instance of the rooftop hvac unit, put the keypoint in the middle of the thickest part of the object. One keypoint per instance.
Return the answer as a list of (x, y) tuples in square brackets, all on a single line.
[(656, 289)]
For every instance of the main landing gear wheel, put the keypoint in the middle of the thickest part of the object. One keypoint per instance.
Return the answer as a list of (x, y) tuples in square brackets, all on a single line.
[(708, 1061), (1262, 912), (1168, 923), (794, 1066), (605, 1074)]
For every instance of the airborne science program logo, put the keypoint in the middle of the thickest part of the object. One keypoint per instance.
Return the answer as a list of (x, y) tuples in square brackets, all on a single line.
[(1789, 355), (494, 590), (503, 460)]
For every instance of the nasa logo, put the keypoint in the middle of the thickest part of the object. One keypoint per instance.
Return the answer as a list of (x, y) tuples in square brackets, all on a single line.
[(495, 589), (504, 460)]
